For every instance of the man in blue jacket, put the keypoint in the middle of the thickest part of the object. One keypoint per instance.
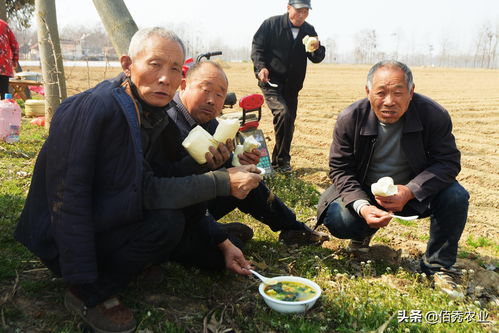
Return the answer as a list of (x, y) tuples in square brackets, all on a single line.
[(97, 215), (280, 63)]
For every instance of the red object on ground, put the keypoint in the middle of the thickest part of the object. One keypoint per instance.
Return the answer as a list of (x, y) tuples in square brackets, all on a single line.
[(40, 121)]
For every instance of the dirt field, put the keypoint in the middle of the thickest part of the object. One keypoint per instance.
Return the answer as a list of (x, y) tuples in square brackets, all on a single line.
[(471, 97)]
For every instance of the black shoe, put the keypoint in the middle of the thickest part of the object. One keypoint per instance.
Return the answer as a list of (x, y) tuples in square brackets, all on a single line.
[(238, 230), (304, 236), (285, 168), (359, 245), (109, 316)]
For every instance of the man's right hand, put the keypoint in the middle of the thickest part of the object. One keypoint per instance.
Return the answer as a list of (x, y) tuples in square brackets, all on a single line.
[(375, 217), (263, 75), (219, 155), (243, 179)]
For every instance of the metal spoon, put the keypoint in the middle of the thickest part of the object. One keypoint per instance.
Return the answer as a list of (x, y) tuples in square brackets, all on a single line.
[(405, 218), (274, 85), (264, 279)]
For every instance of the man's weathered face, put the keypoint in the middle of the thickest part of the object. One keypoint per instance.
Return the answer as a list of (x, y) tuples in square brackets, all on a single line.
[(203, 94), (389, 95), (156, 71), (297, 16)]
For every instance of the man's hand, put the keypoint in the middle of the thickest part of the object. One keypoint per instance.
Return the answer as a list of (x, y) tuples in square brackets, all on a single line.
[(234, 258), (314, 45), (396, 202), (263, 75), (252, 157), (218, 156), (375, 217), (243, 179)]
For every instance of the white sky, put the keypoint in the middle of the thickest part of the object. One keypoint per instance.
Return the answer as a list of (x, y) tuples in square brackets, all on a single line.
[(412, 25)]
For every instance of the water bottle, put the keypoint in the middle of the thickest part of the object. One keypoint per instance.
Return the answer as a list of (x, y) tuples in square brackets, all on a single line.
[(10, 119)]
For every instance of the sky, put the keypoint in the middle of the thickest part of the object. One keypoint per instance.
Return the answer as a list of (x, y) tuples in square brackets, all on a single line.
[(401, 25)]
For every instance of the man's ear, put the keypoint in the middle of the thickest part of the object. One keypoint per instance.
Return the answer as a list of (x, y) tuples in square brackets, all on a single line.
[(367, 90), (183, 84), (126, 62)]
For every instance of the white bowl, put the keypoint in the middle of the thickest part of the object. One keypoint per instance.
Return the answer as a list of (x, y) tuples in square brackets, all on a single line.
[(291, 307)]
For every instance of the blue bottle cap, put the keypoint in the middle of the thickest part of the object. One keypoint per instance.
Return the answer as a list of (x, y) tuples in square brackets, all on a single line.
[(8, 96)]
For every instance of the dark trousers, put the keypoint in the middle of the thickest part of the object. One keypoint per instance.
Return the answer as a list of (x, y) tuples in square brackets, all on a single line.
[(4, 86), (448, 212), (262, 205), (283, 104), (124, 253)]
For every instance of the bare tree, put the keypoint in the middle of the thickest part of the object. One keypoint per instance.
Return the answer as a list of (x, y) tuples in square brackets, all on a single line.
[(118, 23), (50, 56), (366, 44), (486, 47)]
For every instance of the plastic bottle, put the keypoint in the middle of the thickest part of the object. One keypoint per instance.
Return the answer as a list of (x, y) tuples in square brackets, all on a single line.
[(10, 119)]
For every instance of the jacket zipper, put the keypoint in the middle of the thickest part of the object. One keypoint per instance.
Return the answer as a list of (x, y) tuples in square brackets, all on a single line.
[(373, 142)]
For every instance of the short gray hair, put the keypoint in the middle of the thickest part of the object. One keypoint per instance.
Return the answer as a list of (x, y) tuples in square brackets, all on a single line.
[(407, 72), (192, 72), (138, 40)]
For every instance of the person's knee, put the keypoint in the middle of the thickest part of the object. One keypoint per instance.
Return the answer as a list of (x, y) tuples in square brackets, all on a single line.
[(339, 221), (455, 196), (165, 226)]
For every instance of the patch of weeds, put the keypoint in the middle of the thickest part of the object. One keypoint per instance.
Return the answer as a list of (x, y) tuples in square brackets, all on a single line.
[(480, 241), (405, 223), (423, 237), (294, 191)]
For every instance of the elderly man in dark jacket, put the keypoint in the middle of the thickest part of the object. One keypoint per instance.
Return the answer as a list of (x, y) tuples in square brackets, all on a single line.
[(199, 102), (280, 63), (397, 133), (96, 214)]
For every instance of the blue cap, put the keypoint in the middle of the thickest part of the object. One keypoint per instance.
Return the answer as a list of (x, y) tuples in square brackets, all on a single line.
[(8, 96)]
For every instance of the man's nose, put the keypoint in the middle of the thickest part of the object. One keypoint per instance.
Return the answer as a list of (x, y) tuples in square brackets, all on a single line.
[(210, 99), (388, 99), (164, 78)]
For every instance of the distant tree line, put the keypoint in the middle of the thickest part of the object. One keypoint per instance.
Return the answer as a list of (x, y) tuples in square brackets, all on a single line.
[(94, 40)]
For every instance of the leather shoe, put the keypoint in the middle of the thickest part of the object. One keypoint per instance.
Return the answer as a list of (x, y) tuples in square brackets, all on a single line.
[(305, 236)]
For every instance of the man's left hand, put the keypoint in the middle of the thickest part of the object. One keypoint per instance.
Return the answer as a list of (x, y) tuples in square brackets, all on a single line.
[(234, 258), (396, 202), (252, 157)]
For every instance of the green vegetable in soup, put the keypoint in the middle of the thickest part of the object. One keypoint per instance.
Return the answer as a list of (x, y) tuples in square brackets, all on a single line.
[(290, 291)]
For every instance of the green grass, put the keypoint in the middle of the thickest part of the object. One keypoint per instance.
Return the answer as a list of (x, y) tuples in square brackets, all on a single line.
[(356, 297), (479, 241)]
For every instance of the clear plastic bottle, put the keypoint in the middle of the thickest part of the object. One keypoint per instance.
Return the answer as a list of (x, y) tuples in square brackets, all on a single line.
[(10, 119)]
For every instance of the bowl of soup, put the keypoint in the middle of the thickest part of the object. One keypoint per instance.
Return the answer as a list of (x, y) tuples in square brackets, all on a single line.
[(291, 294)]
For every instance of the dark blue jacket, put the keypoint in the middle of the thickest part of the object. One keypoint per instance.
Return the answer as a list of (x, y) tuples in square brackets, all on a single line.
[(82, 182), (90, 177)]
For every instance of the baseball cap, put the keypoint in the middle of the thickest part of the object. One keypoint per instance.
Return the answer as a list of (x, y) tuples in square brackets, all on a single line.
[(300, 4)]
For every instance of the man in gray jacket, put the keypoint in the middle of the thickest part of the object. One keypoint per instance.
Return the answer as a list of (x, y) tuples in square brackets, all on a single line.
[(397, 133)]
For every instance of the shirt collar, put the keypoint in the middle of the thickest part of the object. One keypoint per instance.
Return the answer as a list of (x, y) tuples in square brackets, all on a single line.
[(183, 111)]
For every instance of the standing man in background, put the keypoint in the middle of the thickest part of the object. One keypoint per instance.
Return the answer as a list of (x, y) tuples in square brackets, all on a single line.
[(280, 58), (9, 55)]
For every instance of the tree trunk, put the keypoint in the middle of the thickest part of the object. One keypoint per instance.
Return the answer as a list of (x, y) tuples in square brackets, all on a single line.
[(50, 56), (3, 11), (118, 22)]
